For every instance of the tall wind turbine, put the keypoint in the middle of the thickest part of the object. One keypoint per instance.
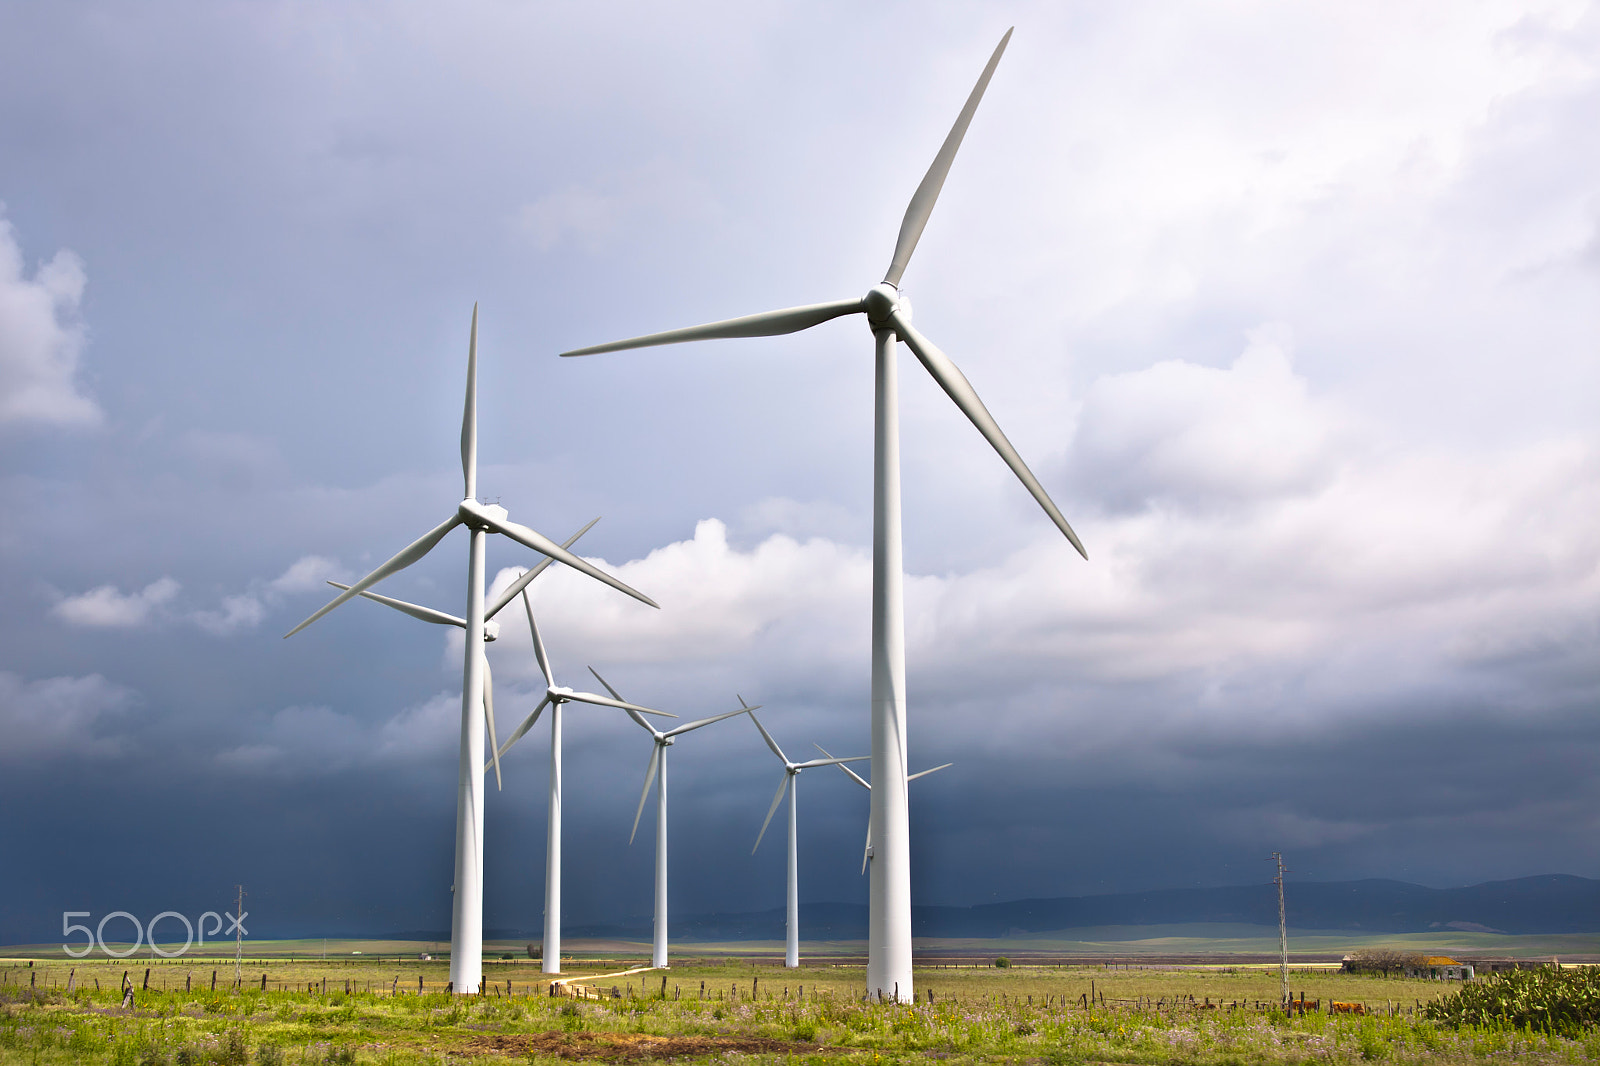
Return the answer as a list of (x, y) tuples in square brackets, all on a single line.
[(556, 697), (656, 771), (791, 770), (889, 317), (466, 912)]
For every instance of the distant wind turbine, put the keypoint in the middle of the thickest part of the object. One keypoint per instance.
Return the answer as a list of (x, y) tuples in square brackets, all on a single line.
[(466, 913), (791, 770), (556, 697), (866, 852), (656, 771), (889, 317)]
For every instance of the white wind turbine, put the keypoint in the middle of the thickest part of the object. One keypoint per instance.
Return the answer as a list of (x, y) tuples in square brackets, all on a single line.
[(656, 771), (791, 770), (889, 317), (556, 697), (466, 912), (866, 852)]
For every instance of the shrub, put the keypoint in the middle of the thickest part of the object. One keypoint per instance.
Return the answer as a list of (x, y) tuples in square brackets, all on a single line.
[(1549, 1000), (1002, 962), (234, 1050)]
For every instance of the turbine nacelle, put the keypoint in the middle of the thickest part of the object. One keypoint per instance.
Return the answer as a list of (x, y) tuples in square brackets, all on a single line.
[(485, 516)]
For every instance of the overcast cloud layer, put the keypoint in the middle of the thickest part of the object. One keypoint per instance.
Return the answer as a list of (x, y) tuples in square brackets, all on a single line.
[(1294, 310)]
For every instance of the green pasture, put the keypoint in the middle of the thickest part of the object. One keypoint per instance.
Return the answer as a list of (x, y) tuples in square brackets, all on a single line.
[(719, 1009)]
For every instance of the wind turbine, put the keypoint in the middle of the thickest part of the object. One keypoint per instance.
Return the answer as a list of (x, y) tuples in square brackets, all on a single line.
[(889, 317), (791, 770), (555, 697), (656, 771), (466, 912), (491, 630), (866, 852)]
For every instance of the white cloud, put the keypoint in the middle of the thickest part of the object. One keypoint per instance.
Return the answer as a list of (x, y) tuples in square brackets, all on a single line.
[(1181, 433), (309, 573), (106, 607), (59, 716), (248, 609), (238, 612), (40, 338)]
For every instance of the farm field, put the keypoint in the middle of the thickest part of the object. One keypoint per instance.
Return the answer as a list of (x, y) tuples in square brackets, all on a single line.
[(371, 1012)]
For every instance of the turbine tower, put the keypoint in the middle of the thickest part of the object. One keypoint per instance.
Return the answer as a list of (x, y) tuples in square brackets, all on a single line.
[(791, 770), (466, 912), (656, 771), (889, 317), (556, 697)]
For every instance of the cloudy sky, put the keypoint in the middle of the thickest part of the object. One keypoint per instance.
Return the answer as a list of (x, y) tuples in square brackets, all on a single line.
[(1293, 308)]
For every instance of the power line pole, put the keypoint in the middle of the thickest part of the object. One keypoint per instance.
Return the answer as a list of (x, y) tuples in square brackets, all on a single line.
[(238, 940), (1283, 932)]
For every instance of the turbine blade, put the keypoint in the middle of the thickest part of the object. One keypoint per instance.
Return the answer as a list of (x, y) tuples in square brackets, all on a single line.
[(959, 389), (766, 736), (934, 770), (545, 546), (427, 614), (406, 556), (707, 721), (788, 778), (927, 193), (644, 793), (488, 718), (857, 778), (607, 685), (538, 644), (527, 724), (831, 762), (621, 705), (766, 324), (866, 851), (528, 575), (469, 417)]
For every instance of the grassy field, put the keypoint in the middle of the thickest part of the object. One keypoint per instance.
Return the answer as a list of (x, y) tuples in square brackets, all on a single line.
[(371, 1012)]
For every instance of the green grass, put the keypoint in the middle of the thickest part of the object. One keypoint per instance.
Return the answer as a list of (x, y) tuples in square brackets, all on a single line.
[(978, 1014)]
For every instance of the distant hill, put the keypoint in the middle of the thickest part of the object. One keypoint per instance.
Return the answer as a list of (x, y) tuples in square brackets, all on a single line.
[(1551, 903)]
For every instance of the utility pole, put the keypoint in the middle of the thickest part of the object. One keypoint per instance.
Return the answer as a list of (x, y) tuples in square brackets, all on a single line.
[(1283, 932), (238, 939)]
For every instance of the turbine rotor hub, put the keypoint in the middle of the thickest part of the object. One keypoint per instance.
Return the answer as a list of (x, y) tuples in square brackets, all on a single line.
[(491, 630), (881, 301)]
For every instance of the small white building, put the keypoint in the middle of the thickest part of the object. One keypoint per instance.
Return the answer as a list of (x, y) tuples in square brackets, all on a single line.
[(1438, 968)]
